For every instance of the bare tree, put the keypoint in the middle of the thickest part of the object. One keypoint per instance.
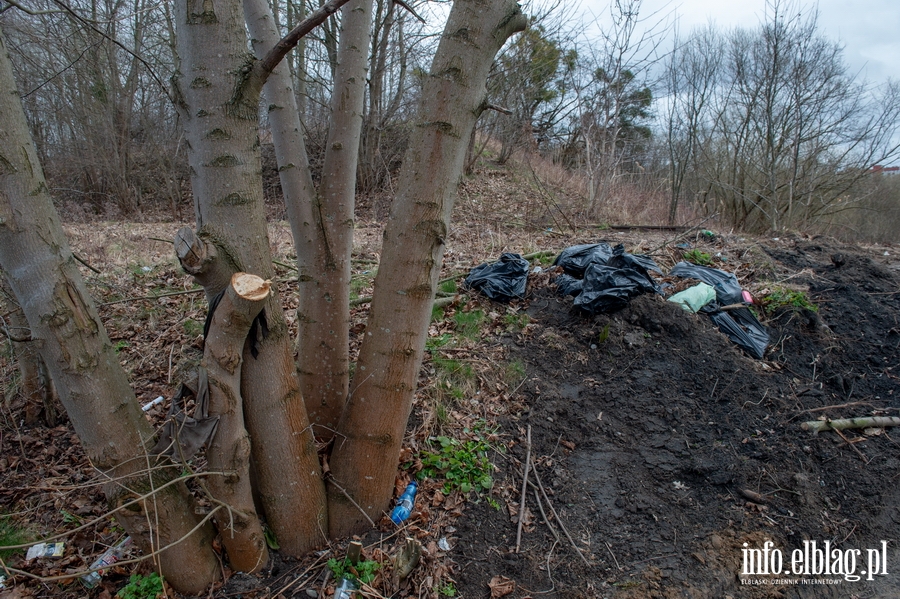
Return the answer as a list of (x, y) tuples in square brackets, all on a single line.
[(691, 77), (74, 346), (792, 131), (217, 92)]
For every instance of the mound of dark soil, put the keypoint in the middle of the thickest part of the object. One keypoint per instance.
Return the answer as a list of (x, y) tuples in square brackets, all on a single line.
[(666, 451)]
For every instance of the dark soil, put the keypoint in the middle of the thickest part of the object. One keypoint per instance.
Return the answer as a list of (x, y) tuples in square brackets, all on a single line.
[(664, 450), (649, 427)]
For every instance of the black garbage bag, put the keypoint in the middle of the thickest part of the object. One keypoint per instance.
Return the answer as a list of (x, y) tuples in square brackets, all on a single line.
[(728, 290), (574, 260), (608, 288), (502, 280), (741, 327), (568, 285)]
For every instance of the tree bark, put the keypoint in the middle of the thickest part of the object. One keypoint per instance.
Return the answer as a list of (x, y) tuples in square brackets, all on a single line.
[(229, 449), (220, 115), (364, 462), (324, 248), (321, 222), (74, 345)]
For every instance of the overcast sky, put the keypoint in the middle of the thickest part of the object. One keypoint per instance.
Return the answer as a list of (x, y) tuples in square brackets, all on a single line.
[(869, 31)]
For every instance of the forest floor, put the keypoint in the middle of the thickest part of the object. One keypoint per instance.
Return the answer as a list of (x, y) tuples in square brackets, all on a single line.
[(660, 454)]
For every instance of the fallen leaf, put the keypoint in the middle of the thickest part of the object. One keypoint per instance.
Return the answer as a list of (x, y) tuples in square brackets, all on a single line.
[(501, 586)]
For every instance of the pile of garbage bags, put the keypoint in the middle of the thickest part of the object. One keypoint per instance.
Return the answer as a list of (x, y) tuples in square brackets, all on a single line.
[(603, 279)]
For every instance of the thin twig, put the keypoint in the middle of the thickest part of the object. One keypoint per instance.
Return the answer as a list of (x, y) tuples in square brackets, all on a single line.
[(854, 447), (350, 499), (125, 505), (524, 489), (537, 499), (558, 520), (136, 560), (837, 406), (84, 262), (613, 555)]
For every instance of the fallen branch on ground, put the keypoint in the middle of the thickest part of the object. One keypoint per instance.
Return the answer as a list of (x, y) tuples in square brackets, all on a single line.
[(524, 489), (816, 426)]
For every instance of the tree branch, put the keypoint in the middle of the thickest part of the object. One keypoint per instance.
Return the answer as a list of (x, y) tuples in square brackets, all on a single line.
[(265, 66)]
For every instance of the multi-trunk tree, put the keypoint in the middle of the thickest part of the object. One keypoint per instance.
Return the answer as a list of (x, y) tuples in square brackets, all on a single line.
[(258, 393)]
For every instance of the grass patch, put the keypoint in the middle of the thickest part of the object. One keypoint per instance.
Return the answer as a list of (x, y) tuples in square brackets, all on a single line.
[(783, 297), (517, 321), (698, 257), (449, 286), (12, 534), (469, 324), (514, 373)]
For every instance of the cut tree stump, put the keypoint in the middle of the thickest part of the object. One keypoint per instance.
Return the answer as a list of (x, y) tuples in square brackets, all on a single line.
[(229, 449)]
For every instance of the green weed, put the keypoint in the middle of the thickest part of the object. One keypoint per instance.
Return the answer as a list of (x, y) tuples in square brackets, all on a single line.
[(448, 589), (698, 257), (12, 534), (464, 465), (787, 298), (362, 572), (70, 518), (604, 335), (142, 587)]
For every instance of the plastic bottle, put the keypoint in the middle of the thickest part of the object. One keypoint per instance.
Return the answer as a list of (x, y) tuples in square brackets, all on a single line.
[(109, 557), (405, 503), (347, 589)]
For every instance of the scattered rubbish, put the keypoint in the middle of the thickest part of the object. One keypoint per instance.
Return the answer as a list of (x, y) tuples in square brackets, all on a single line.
[(102, 563), (728, 290), (407, 559), (405, 503), (748, 299), (694, 298), (346, 589), (708, 235), (182, 436), (2, 581), (568, 285), (443, 544), (574, 260), (607, 288), (611, 276), (740, 325), (503, 280), (45, 550), (147, 406)]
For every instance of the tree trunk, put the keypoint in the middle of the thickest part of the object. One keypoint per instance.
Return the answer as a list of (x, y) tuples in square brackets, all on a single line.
[(220, 117), (324, 249), (371, 430), (90, 381), (35, 385), (229, 449), (321, 223)]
